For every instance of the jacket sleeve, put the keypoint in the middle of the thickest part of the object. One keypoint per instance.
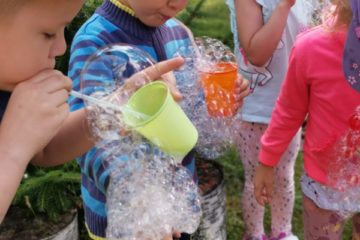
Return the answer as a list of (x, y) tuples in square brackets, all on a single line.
[(83, 47), (289, 113), (84, 80)]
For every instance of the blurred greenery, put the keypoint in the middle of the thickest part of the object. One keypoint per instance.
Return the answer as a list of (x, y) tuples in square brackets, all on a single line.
[(211, 19), (49, 191)]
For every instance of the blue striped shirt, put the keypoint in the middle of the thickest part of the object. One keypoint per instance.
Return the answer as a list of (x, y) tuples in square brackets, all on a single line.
[(109, 25)]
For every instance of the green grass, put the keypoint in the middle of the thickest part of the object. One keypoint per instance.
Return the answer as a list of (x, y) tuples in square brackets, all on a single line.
[(212, 20), (234, 176)]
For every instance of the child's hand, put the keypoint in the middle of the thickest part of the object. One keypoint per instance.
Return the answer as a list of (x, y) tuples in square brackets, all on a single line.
[(175, 235), (35, 112), (163, 70), (160, 71), (263, 184), (242, 90)]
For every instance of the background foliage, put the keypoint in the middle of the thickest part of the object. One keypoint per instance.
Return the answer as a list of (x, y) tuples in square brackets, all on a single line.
[(50, 191)]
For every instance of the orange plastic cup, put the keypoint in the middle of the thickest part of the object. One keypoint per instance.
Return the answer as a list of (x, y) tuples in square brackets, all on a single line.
[(219, 87)]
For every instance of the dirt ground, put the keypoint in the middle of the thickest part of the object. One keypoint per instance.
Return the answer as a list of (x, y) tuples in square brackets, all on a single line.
[(17, 225)]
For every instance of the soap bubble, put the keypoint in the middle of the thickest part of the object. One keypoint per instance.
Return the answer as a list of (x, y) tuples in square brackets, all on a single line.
[(110, 66), (343, 172), (102, 77), (344, 165), (152, 200), (207, 82), (149, 195)]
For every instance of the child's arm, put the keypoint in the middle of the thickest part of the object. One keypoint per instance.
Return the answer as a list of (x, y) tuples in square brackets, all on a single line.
[(289, 113), (12, 168), (73, 139), (34, 114), (257, 39)]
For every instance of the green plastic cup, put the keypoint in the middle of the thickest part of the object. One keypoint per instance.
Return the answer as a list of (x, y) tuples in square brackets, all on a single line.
[(166, 124)]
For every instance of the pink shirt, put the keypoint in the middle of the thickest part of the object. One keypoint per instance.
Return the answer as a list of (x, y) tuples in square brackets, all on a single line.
[(314, 87)]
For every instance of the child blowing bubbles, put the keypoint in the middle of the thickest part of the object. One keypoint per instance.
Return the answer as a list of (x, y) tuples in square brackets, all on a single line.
[(37, 109), (315, 87), (36, 124)]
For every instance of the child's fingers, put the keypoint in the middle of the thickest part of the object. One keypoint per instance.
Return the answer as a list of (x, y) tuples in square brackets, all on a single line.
[(244, 84), (42, 75), (263, 184), (57, 82), (265, 196), (258, 192), (59, 97), (161, 70), (268, 191), (163, 67), (170, 81), (175, 92), (177, 234), (164, 70), (242, 88), (50, 81)]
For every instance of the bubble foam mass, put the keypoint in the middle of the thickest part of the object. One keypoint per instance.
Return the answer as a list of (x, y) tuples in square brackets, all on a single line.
[(148, 195)]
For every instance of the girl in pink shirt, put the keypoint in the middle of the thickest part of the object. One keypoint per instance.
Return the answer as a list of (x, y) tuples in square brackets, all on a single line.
[(315, 88)]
